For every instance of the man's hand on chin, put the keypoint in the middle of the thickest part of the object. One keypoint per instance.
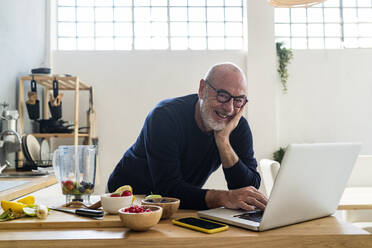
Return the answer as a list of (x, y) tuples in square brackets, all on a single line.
[(224, 134), (227, 154)]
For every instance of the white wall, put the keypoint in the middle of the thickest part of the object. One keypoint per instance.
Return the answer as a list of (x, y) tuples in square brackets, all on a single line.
[(329, 98), (22, 43), (22, 40)]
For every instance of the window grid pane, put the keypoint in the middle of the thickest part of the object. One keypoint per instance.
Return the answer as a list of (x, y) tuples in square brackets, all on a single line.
[(334, 24), (150, 24)]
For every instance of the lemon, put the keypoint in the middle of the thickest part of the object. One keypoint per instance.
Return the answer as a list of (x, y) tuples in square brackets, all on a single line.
[(14, 206), (27, 200), (123, 188), (29, 211)]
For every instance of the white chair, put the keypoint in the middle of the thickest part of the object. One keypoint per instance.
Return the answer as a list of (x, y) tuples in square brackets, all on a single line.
[(268, 170), (361, 176)]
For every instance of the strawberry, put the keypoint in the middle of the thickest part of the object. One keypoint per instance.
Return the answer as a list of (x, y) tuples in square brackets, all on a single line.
[(115, 195), (70, 186), (69, 182), (126, 193), (137, 209)]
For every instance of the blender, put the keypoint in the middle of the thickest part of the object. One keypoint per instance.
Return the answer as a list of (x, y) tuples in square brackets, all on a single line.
[(75, 169)]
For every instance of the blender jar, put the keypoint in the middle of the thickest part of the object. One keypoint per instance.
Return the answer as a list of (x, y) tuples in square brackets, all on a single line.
[(75, 169)]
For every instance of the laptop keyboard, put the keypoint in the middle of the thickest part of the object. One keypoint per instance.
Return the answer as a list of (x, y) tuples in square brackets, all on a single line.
[(255, 216)]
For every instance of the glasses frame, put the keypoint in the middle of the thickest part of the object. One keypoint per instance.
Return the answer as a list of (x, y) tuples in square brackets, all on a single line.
[(227, 93)]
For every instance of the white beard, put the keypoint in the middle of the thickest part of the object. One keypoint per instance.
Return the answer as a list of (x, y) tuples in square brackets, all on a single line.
[(207, 119)]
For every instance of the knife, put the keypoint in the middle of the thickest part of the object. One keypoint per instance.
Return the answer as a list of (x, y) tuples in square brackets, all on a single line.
[(97, 214)]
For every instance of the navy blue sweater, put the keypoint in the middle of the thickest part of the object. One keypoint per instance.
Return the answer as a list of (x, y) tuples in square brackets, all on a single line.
[(174, 158)]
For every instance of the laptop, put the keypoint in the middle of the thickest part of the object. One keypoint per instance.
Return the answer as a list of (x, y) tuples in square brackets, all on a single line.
[(309, 185)]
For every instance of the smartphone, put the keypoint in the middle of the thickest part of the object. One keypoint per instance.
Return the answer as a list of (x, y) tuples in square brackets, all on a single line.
[(201, 225)]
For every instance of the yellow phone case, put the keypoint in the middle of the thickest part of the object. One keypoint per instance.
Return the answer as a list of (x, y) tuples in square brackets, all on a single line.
[(200, 229)]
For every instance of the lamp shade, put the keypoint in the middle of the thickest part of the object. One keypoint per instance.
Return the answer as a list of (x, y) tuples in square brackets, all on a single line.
[(294, 3)]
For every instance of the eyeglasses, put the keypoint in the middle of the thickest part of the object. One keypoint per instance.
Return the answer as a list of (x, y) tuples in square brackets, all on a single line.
[(223, 97)]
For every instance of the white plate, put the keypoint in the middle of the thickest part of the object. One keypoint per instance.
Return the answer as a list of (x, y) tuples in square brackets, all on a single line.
[(33, 147), (24, 149), (44, 150)]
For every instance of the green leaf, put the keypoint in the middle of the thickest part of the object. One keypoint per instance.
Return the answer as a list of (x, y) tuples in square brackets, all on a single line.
[(284, 58), (7, 215)]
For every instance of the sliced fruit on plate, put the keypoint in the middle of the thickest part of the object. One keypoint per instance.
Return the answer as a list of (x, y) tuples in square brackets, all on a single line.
[(14, 206), (27, 200), (123, 188), (30, 211)]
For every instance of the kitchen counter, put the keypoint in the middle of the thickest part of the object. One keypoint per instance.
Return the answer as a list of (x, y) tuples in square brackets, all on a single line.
[(12, 188), (324, 232)]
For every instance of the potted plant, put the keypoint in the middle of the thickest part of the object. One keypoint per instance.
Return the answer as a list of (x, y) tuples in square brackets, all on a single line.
[(284, 58), (279, 154)]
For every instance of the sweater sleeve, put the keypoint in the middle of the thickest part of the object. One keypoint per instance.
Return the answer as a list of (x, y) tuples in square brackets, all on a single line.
[(244, 172), (163, 139)]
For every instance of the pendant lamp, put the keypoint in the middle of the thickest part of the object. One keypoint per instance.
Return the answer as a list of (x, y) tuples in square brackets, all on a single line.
[(294, 3)]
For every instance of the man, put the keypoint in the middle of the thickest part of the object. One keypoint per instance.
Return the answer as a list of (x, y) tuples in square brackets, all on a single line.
[(185, 139)]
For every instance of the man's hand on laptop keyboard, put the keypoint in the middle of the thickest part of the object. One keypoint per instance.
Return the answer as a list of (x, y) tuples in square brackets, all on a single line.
[(247, 198)]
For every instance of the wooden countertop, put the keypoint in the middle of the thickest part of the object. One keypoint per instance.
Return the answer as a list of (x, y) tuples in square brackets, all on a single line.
[(324, 232)]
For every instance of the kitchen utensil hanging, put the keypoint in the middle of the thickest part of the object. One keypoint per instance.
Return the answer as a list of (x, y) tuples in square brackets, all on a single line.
[(55, 103), (33, 104)]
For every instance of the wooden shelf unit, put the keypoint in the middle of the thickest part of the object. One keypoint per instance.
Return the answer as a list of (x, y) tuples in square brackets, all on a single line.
[(65, 83)]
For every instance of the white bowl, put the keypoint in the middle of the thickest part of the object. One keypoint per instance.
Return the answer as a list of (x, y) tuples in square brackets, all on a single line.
[(113, 204)]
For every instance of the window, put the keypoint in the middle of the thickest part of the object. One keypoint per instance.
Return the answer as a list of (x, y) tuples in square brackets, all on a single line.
[(331, 25), (149, 24)]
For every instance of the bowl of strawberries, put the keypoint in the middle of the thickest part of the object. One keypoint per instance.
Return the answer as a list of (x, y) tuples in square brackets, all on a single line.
[(121, 198)]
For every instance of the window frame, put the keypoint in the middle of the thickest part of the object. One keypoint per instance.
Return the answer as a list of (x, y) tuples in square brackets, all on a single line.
[(74, 37), (342, 22)]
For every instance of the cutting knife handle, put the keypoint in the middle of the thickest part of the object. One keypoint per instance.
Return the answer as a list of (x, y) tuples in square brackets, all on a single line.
[(89, 212)]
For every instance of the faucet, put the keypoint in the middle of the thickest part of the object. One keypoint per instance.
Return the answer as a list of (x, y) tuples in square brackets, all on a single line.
[(2, 167)]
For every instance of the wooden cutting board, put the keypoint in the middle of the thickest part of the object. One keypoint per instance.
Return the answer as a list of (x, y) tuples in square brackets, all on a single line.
[(57, 219), (52, 196)]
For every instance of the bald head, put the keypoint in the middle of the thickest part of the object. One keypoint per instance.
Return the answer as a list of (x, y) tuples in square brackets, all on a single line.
[(224, 72)]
